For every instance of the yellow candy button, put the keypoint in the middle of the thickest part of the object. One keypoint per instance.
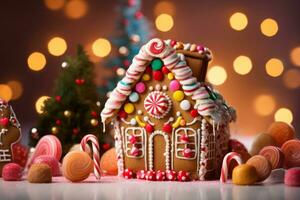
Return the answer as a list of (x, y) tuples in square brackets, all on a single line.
[(178, 95), (129, 108), (170, 76), (146, 77)]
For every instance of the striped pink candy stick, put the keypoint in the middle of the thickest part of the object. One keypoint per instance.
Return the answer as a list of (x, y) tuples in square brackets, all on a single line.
[(226, 161), (96, 149)]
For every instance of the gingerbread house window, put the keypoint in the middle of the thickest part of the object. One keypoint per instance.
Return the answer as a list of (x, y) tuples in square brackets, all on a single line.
[(4, 155), (138, 147), (186, 143)]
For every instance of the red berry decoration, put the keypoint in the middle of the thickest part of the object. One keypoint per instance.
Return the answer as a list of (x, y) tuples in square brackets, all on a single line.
[(132, 139), (149, 128), (122, 114), (58, 122), (194, 113), (184, 138), (138, 15), (106, 146), (148, 70), (158, 75), (75, 131), (58, 98), (134, 151), (141, 174), (165, 70), (160, 175), (187, 152), (171, 175), (183, 176), (150, 175), (167, 128), (94, 114), (128, 174)]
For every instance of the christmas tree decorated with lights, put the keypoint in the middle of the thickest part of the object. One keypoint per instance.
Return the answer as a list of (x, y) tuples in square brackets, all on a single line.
[(74, 109), (132, 31)]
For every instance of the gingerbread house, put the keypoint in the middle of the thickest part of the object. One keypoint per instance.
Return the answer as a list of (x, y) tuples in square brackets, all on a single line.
[(165, 116)]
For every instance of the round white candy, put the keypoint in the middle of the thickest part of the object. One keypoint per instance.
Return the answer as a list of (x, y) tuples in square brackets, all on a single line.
[(134, 97), (185, 105), (165, 88), (133, 122), (158, 87), (146, 118), (140, 112), (151, 88)]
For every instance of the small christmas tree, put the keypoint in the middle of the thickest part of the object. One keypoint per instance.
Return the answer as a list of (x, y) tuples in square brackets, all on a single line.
[(132, 31), (74, 110)]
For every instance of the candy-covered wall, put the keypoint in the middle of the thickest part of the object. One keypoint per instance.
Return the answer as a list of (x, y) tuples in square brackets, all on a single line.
[(256, 50)]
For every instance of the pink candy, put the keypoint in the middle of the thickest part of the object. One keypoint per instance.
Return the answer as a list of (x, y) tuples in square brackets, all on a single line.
[(132, 139), (140, 87), (150, 175), (128, 174), (171, 175), (160, 175), (187, 152), (50, 161), (174, 85), (141, 174), (183, 176), (12, 172)]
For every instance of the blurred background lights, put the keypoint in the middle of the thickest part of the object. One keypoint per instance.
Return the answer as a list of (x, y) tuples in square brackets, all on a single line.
[(39, 104), (36, 61), (164, 22), (164, 7), (295, 56), (5, 92), (242, 65), (54, 4), (291, 78), (217, 75), (76, 9), (238, 21), (274, 67), (57, 46), (16, 88), (264, 105), (101, 47), (284, 115), (269, 27)]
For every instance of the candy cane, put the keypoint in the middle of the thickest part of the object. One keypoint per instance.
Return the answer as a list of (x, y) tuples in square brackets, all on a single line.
[(226, 161), (96, 157)]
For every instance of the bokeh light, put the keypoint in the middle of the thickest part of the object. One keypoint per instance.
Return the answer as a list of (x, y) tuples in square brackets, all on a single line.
[(238, 21), (54, 4), (274, 67), (242, 65), (76, 9), (264, 105), (164, 22), (295, 56), (166, 7), (284, 115), (291, 78), (217, 75), (269, 27), (5, 92), (101, 47), (39, 104), (16, 88), (36, 61), (57, 46)]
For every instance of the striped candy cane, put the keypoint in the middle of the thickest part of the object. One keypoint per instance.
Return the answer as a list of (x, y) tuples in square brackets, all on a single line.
[(226, 161), (96, 157)]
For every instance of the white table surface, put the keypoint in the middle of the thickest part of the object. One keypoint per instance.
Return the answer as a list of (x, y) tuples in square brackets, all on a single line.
[(117, 189)]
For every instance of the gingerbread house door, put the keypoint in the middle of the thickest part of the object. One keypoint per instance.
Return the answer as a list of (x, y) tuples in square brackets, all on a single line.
[(159, 151)]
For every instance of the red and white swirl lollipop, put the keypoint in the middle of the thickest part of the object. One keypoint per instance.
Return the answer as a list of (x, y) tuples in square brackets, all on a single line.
[(157, 104)]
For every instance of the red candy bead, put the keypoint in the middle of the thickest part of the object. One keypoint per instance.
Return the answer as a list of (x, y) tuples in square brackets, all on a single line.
[(171, 175), (141, 174), (167, 128), (160, 175), (128, 174), (149, 128), (122, 114), (173, 43), (58, 122), (194, 113), (132, 139), (158, 75), (184, 138), (187, 152), (135, 151), (12, 172), (106, 146), (94, 114), (150, 175), (148, 70), (58, 98), (165, 70), (183, 176)]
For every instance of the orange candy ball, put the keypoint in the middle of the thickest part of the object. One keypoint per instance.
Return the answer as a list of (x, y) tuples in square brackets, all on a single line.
[(244, 175), (108, 162), (281, 132), (262, 165), (77, 166)]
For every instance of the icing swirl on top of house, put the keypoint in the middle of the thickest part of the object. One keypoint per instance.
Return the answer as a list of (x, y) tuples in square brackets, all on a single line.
[(166, 51)]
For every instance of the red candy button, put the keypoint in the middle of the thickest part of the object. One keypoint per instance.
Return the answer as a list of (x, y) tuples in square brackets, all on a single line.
[(165, 70), (158, 75), (194, 113), (149, 128), (167, 128)]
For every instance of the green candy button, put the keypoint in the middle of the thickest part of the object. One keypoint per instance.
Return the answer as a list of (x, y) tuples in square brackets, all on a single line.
[(156, 64)]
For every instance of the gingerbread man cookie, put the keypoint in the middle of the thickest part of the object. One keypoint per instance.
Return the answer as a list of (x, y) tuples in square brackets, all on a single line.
[(10, 133)]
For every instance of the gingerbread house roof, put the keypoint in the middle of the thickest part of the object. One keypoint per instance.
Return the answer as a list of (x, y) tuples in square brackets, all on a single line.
[(170, 53)]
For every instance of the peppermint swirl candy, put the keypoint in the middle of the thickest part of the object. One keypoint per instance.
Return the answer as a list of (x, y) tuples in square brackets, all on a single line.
[(157, 104)]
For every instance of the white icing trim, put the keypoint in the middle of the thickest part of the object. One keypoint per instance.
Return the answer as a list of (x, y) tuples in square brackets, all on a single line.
[(203, 154), (2, 132), (124, 120), (194, 121), (177, 142), (141, 134), (167, 149), (119, 148)]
